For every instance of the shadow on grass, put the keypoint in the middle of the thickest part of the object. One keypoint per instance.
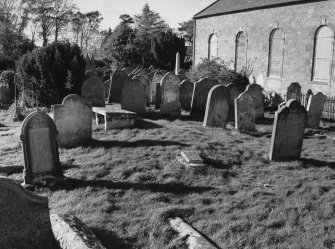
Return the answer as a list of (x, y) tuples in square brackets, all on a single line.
[(309, 162), (156, 115), (144, 124), (265, 121), (111, 241), (2, 125), (66, 166), (133, 144), (9, 170), (174, 188)]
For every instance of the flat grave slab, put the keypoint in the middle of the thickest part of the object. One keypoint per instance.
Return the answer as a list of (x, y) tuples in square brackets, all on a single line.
[(115, 117), (190, 158)]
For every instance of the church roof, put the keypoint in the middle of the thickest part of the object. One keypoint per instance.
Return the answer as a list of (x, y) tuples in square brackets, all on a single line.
[(232, 6)]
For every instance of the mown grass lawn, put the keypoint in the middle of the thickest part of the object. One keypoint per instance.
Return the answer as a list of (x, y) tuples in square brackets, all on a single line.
[(126, 183)]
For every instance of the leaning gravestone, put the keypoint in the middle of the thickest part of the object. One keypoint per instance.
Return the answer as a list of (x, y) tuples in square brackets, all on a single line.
[(170, 94), (25, 221), (217, 108), (186, 92), (73, 119), (294, 91), (40, 148), (245, 114), (234, 92), (107, 84), (133, 96), (118, 80), (288, 131), (314, 109), (200, 94), (153, 86), (256, 91), (93, 90)]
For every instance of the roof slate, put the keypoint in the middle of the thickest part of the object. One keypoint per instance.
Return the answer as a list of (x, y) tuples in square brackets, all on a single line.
[(231, 6)]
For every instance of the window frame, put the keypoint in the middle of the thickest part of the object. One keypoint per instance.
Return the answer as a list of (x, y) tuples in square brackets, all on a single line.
[(280, 76), (210, 47), (237, 49)]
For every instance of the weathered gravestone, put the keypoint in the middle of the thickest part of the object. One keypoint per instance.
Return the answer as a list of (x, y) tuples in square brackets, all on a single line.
[(133, 96), (216, 114), (170, 94), (24, 215), (73, 119), (145, 81), (40, 148), (234, 92), (314, 109), (93, 90), (156, 80), (256, 91), (186, 92), (118, 80), (107, 84), (288, 131), (200, 94), (294, 91), (245, 114)]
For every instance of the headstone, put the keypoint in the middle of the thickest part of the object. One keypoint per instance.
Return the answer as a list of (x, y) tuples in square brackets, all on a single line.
[(25, 221), (288, 131), (294, 91), (133, 96), (40, 148), (216, 114), (245, 114), (200, 94), (256, 91), (314, 109), (177, 65), (234, 92), (158, 96), (5, 93), (190, 159), (118, 80), (93, 90), (107, 84), (153, 86), (186, 92), (145, 81), (170, 94), (73, 119)]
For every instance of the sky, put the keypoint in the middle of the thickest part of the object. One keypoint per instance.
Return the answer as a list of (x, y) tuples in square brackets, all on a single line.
[(172, 11)]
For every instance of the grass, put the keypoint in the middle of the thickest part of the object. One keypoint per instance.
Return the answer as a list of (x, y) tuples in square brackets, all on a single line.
[(127, 183)]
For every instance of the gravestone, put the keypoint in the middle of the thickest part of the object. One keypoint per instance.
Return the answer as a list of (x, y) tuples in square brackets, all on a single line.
[(314, 109), (153, 87), (133, 96), (256, 91), (40, 148), (170, 94), (294, 91), (245, 114), (93, 90), (107, 84), (200, 94), (73, 119), (234, 92), (217, 108), (288, 131), (118, 80), (186, 92), (24, 215), (145, 81)]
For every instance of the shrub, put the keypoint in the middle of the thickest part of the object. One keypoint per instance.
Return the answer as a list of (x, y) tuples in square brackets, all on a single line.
[(52, 72), (7, 79), (220, 71)]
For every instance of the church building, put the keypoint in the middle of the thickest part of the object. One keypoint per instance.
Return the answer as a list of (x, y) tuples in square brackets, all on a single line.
[(281, 41)]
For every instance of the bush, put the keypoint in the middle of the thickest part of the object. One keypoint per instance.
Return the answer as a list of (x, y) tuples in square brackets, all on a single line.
[(52, 72), (7, 79), (219, 71)]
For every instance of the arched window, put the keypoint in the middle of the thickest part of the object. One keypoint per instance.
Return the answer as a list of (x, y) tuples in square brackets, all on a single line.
[(276, 53), (213, 46), (323, 54), (241, 51)]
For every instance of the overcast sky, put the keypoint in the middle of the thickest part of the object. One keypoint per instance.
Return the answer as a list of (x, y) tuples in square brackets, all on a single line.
[(172, 11)]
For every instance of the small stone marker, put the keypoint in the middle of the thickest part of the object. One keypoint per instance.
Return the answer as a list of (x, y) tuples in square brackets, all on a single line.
[(245, 114), (93, 90), (234, 92), (118, 80), (24, 216), (200, 94), (288, 131), (170, 84), (190, 159), (217, 108), (294, 91), (73, 119), (133, 96), (40, 148), (186, 92), (177, 65), (314, 109), (256, 91)]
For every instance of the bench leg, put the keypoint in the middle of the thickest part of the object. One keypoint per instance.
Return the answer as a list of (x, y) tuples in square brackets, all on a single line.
[(105, 122)]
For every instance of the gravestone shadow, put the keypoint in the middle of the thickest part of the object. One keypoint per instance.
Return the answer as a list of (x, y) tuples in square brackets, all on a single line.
[(111, 240), (9, 170), (145, 124), (133, 144), (310, 162)]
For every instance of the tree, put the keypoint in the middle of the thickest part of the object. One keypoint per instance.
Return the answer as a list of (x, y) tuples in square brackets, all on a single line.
[(186, 30)]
